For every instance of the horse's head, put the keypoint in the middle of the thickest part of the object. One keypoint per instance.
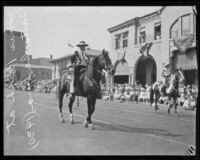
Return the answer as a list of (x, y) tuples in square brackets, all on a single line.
[(105, 62)]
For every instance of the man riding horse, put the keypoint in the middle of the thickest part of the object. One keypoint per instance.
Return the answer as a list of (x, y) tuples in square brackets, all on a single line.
[(169, 87), (78, 61)]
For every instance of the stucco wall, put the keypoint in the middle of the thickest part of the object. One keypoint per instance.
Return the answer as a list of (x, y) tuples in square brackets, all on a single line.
[(160, 49)]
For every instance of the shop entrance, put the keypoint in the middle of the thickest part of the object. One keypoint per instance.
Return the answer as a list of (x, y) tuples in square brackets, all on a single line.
[(145, 70)]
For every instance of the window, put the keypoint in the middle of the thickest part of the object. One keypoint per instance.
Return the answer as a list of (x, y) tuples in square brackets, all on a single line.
[(157, 31), (117, 41), (142, 35), (185, 25), (125, 39), (174, 30)]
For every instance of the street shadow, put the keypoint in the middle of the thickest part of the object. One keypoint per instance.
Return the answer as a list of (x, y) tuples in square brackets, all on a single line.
[(185, 116), (122, 128)]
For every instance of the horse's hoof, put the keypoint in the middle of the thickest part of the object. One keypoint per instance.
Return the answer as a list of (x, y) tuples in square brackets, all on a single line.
[(168, 111), (72, 121), (85, 124), (158, 111), (62, 120), (91, 126), (176, 114)]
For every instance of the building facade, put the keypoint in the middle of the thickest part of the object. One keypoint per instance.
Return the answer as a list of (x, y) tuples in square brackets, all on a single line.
[(62, 62), (14, 46), (140, 46), (40, 72)]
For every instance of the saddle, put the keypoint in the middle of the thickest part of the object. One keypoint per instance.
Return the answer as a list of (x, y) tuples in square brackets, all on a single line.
[(79, 76)]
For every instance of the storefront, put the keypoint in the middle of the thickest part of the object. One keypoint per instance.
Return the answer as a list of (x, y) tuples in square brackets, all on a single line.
[(188, 63), (122, 72), (145, 70)]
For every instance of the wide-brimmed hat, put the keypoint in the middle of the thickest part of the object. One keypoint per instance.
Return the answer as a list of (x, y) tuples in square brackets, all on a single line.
[(82, 43)]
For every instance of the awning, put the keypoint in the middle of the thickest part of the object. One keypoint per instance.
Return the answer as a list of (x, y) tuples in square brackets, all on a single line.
[(122, 69), (187, 61)]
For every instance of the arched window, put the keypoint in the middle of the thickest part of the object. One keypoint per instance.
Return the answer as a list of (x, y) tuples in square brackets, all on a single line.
[(185, 25), (174, 30)]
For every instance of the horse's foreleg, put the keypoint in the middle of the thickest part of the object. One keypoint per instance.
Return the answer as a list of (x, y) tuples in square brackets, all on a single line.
[(175, 107), (156, 103), (151, 97), (170, 105), (61, 94), (91, 107), (77, 101), (71, 101)]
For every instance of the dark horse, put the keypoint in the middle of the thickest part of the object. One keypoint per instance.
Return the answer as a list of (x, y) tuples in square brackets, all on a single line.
[(170, 90), (88, 80)]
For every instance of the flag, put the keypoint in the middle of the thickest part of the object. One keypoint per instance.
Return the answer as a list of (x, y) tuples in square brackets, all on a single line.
[(184, 42), (70, 45), (194, 9), (145, 49)]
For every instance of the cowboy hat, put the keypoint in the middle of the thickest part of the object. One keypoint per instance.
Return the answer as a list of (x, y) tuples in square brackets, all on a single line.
[(82, 43)]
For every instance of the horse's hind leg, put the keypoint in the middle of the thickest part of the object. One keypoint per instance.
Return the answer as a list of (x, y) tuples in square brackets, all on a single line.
[(71, 101), (61, 94)]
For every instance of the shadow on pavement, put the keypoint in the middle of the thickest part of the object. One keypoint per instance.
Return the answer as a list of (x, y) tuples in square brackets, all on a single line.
[(123, 128)]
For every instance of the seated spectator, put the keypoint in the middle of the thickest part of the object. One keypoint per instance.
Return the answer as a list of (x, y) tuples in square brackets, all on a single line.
[(181, 99), (117, 94), (142, 95), (122, 98), (111, 95), (186, 104), (132, 94), (192, 103), (105, 96), (127, 95)]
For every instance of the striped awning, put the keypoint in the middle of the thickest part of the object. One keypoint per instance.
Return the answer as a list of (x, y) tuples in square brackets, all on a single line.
[(122, 69), (187, 61)]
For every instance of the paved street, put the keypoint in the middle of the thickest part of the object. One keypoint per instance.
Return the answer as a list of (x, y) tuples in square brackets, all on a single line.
[(120, 128)]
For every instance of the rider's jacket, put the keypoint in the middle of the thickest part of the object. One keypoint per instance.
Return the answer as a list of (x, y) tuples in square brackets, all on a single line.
[(166, 76), (83, 58)]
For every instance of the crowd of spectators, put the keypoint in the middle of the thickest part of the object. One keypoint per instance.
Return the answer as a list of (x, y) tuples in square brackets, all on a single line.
[(43, 86), (138, 93), (121, 92)]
